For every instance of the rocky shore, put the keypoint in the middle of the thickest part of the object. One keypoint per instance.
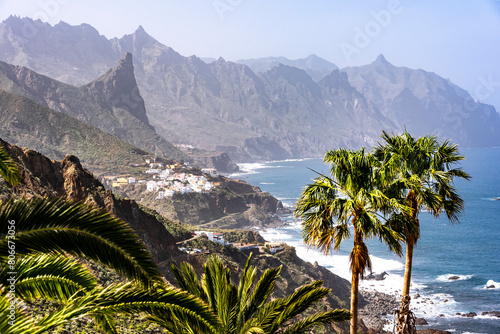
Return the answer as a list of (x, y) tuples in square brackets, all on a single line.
[(377, 310)]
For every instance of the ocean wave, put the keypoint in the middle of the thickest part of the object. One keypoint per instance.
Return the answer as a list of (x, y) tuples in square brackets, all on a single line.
[(431, 306), (295, 225), (287, 198), (251, 167), (491, 285), (487, 316), (266, 183), (292, 160), (453, 277), (275, 235)]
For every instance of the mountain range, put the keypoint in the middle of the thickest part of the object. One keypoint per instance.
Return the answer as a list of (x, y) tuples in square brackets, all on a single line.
[(261, 109)]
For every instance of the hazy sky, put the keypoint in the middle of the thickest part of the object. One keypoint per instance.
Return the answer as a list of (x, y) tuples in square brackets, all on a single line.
[(459, 39)]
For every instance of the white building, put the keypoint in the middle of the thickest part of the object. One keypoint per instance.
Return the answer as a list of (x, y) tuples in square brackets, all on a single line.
[(151, 186), (213, 236), (210, 171), (153, 171)]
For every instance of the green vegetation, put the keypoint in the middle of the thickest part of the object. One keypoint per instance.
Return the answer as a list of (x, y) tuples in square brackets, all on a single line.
[(348, 197), (243, 236), (241, 309), (419, 171)]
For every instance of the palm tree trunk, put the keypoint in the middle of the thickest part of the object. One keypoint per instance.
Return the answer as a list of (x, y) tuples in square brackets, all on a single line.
[(410, 243), (405, 318), (408, 265), (354, 302)]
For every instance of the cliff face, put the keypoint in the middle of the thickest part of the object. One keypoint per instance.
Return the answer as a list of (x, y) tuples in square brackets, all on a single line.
[(232, 204), (426, 103), (67, 179), (117, 88), (55, 134), (111, 103)]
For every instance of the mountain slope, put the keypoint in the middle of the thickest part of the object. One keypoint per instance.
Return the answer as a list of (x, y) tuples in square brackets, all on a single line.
[(111, 103), (426, 103), (315, 66), (35, 45), (54, 134)]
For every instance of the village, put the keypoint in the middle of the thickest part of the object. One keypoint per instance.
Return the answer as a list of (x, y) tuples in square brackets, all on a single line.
[(165, 179)]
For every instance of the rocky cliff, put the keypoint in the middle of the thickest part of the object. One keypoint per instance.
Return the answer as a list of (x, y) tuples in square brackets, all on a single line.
[(426, 103), (67, 179)]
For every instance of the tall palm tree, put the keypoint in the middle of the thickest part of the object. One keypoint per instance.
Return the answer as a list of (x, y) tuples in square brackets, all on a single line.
[(243, 311), (347, 198), (40, 240), (420, 170)]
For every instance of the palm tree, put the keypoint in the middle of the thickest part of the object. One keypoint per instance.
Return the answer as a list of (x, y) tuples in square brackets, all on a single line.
[(40, 240), (420, 170), (243, 311), (348, 197)]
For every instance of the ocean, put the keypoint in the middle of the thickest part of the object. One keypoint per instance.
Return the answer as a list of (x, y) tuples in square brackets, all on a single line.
[(469, 250)]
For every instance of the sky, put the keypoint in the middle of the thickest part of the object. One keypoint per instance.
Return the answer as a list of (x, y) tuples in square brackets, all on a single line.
[(459, 40)]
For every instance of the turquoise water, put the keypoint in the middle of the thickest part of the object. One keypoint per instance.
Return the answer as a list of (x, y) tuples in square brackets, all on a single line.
[(469, 250)]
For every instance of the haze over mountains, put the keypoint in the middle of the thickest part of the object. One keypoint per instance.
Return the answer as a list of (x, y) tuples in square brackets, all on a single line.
[(271, 109)]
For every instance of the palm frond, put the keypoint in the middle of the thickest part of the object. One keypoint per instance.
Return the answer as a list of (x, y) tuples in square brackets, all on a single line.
[(329, 317), (262, 291), (8, 168), (188, 281), (49, 276), (55, 225)]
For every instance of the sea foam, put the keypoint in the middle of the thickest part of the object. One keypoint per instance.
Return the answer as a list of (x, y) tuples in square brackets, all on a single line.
[(453, 277)]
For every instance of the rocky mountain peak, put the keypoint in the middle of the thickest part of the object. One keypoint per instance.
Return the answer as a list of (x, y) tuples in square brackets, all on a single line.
[(126, 63), (381, 61), (140, 30), (118, 89), (337, 80)]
